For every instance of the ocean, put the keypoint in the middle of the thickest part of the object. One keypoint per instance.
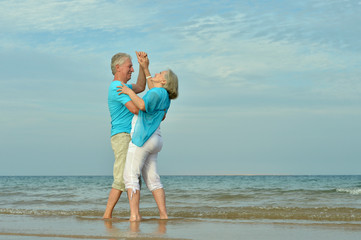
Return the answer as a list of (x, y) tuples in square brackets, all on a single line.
[(291, 200)]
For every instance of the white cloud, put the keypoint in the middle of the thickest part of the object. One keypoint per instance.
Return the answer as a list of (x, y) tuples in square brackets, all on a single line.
[(75, 16)]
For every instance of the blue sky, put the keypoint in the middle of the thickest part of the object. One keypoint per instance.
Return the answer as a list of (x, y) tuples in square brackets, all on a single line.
[(266, 87)]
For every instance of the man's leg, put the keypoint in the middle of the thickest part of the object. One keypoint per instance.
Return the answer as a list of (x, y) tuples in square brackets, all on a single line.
[(120, 144), (114, 196)]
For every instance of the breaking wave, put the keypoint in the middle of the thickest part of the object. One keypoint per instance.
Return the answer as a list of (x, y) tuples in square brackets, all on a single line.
[(352, 191)]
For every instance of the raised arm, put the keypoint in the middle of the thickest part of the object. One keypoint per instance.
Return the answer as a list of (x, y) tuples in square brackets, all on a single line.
[(144, 63), (140, 85)]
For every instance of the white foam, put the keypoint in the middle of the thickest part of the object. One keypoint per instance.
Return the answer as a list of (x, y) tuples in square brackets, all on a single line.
[(352, 191)]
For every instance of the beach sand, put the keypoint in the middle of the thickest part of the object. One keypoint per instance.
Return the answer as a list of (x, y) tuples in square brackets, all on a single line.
[(30, 227)]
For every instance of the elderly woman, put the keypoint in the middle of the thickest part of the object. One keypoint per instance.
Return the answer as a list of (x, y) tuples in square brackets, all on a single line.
[(146, 137)]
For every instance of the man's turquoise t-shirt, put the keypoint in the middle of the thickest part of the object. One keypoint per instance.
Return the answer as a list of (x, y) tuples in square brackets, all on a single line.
[(119, 113), (156, 102)]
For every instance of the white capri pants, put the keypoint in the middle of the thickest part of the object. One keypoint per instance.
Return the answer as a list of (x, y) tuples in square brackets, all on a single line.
[(143, 160)]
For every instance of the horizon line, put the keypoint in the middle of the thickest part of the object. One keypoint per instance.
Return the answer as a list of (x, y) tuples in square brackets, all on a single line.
[(251, 174)]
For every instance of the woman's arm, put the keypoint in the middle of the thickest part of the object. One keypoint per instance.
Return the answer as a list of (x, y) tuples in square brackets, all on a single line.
[(148, 77), (132, 108), (138, 102)]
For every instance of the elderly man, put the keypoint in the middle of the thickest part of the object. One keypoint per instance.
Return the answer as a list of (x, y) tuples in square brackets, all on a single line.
[(122, 110)]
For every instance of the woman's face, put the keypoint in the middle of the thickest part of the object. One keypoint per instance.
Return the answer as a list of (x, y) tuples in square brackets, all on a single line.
[(159, 77)]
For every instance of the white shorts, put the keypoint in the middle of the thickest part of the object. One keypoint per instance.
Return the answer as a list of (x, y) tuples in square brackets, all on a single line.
[(143, 160)]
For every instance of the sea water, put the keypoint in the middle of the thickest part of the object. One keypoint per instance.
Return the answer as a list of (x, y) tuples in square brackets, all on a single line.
[(290, 199)]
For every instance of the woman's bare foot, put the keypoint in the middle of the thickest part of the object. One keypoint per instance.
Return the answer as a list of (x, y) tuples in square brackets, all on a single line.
[(135, 218), (105, 216)]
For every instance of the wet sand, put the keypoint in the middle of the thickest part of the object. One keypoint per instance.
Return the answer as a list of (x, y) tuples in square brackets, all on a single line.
[(31, 228)]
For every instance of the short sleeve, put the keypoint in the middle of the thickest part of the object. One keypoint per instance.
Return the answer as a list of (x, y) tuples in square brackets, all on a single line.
[(122, 98)]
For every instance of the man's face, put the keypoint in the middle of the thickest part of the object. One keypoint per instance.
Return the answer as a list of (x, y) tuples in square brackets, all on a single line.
[(126, 70)]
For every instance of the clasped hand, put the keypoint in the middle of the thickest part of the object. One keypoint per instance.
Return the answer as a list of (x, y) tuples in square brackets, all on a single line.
[(143, 59)]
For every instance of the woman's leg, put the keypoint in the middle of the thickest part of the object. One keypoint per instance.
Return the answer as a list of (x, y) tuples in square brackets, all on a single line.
[(154, 184), (159, 197), (133, 165), (134, 199)]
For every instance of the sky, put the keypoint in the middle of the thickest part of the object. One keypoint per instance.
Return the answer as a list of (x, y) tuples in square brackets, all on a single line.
[(265, 87)]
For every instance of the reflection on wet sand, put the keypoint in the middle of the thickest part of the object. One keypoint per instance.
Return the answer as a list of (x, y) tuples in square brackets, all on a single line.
[(134, 229)]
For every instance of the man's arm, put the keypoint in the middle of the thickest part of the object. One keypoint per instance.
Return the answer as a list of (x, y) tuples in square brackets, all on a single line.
[(140, 85)]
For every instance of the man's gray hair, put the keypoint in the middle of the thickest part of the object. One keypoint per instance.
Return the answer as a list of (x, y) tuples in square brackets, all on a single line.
[(119, 59)]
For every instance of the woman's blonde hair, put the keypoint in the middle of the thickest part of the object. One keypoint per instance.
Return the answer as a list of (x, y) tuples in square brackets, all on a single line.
[(172, 84)]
